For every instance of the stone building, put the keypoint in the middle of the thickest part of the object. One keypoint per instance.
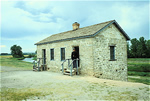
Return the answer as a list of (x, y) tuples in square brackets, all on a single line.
[(102, 50)]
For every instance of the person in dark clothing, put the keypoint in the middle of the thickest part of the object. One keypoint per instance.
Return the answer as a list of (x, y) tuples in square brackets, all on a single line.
[(74, 56)]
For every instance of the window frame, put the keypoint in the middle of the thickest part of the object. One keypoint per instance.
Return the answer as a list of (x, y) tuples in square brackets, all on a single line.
[(61, 55), (51, 54), (112, 53)]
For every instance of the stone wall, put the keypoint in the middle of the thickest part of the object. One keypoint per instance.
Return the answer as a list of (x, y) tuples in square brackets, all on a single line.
[(85, 50), (94, 54), (103, 67)]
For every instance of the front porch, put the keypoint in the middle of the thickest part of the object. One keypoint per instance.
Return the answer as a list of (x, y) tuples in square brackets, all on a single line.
[(65, 70), (70, 70), (37, 66)]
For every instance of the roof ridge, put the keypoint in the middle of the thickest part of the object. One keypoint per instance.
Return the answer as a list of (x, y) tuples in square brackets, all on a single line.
[(83, 27)]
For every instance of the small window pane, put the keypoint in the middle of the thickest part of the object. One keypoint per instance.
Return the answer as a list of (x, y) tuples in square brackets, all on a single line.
[(112, 53), (62, 54), (52, 54)]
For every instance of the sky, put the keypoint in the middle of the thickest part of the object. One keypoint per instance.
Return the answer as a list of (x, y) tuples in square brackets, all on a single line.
[(25, 22)]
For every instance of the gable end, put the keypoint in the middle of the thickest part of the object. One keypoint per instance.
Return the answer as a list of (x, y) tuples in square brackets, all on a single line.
[(119, 28)]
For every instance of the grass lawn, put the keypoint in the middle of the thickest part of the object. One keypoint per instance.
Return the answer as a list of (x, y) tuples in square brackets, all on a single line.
[(139, 67), (9, 61), (139, 79)]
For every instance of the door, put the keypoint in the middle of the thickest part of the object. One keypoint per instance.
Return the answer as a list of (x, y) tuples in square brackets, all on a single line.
[(78, 55), (44, 56)]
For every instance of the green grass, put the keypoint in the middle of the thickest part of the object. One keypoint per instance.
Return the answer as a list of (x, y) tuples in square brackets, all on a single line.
[(139, 59), (142, 79), (139, 67), (14, 94), (14, 62), (121, 96), (35, 58), (134, 73)]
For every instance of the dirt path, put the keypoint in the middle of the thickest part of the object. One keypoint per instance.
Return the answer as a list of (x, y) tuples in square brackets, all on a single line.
[(53, 86)]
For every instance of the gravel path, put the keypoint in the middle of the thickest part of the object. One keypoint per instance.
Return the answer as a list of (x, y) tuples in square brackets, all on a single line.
[(62, 87)]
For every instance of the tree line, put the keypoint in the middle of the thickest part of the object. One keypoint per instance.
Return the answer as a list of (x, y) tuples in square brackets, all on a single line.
[(138, 48)]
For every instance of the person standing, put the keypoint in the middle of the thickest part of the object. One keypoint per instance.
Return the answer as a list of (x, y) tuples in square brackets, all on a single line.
[(73, 57)]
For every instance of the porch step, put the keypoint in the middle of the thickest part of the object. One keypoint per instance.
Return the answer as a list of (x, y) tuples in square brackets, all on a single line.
[(68, 71)]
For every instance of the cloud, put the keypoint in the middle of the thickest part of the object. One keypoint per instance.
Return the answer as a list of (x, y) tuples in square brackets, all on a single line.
[(34, 20), (35, 8), (2, 46), (134, 18), (20, 21)]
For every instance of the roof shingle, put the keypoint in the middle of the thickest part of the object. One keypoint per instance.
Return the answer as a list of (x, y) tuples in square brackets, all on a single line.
[(73, 34)]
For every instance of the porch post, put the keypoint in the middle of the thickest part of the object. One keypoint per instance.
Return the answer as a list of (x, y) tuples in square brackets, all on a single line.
[(39, 65), (71, 70), (34, 64), (63, 68), (68, 62), (77, 65)]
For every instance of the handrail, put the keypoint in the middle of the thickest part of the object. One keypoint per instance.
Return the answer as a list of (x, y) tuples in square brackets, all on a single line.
[(70, 65), (38, 63), (63, 64), (72, 61), (65, 61), (34, 64)]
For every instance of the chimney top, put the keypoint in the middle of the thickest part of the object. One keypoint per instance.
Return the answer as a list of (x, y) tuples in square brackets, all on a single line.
[(75, 26)]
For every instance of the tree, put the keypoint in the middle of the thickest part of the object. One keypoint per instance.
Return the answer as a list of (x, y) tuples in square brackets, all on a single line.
[(36, 52), (128, 50), (142, 49), (134, 47), (148, 48), (139, 48), (16, 51)]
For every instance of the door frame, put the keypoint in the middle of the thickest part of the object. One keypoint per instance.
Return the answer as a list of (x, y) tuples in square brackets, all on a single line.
[(78, 51)]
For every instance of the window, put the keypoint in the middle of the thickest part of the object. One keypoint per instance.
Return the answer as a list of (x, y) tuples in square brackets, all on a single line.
[(52, 54), (44, 56), (112, 53), (62, 54)]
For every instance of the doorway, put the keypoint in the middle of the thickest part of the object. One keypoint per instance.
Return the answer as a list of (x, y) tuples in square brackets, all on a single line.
[(44, 56), (78, 54)]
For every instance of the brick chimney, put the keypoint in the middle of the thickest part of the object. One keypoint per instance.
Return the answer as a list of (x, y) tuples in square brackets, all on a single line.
[(75, 26)]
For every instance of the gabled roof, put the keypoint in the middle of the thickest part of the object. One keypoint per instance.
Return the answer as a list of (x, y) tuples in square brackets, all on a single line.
[(85, 32)]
